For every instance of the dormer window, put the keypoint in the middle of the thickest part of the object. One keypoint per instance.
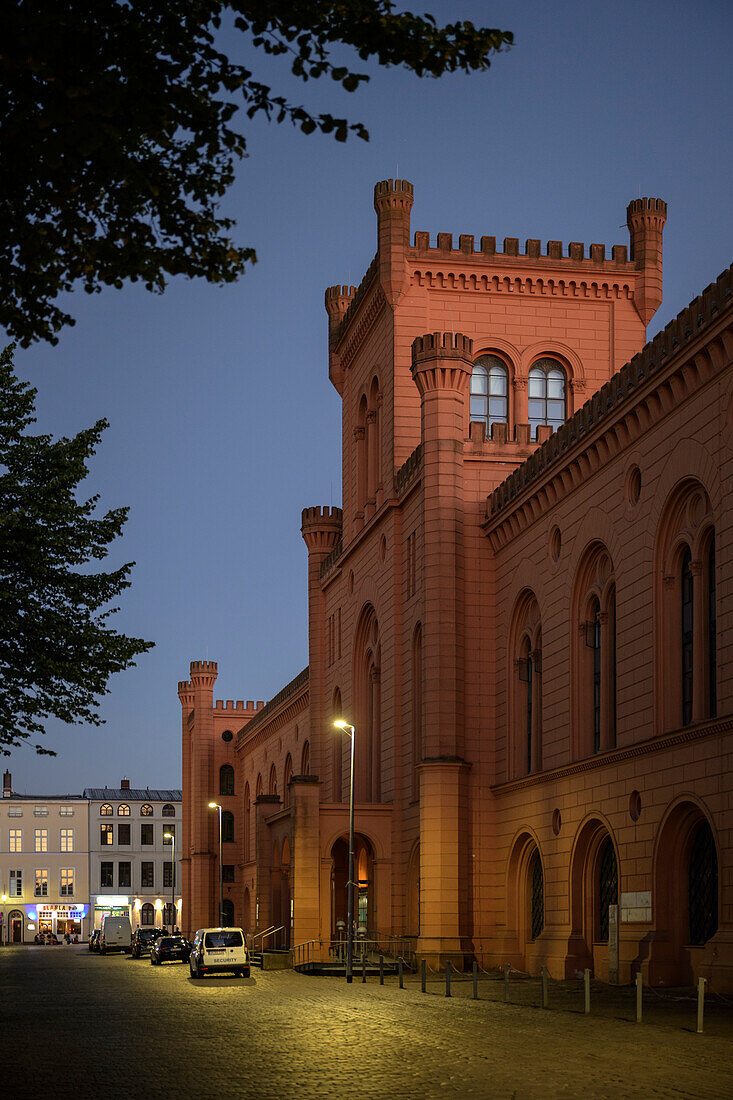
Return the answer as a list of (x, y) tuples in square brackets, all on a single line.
[(105, 810), (489, 392)]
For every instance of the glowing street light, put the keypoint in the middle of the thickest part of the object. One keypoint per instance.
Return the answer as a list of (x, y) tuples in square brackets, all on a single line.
[(340, 724), (172, 837), (217, 806)]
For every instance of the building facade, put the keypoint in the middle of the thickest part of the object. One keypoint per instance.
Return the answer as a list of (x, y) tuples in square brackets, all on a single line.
[(44, 865), (523, 608), (134, 867)]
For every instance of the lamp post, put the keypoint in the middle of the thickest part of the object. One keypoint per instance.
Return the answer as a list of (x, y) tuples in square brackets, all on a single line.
[(217, 806), (172, 837), (348, 728)]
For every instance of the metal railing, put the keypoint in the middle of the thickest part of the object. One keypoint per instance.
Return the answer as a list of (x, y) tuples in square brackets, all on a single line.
[(271, 931), (368, 948)]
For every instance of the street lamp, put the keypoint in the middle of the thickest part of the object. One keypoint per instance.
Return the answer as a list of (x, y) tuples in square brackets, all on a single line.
[(172, 837), (340, 724), (217, 806)]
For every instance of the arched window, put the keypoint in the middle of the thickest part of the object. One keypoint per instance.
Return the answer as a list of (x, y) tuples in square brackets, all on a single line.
[(526, 677), (594, 654), (537, 896), (686, 641), (337, 750), (273, 780), (146, 810), (361, 455), (105, 810), (593, 641), (258, 785), (525, 753), (123, 810), (703, 885), (169, 916), (546, 395), (417, 708), (305, 766), (373, 443), (168, 810), (287, 776), (226, 779), (489, 401), (711, 662), (147, 914), (607, 886), (227, 827), (247, 821)]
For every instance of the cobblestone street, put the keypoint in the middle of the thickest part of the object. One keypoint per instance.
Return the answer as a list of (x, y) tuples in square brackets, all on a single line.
[(75, 1024)]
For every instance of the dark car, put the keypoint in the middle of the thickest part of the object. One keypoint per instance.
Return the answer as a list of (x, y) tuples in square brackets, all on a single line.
[(94, 940), (169, 949), (142, 940)]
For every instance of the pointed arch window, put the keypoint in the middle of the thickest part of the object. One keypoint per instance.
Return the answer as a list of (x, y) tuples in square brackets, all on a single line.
[(287, 776), (489, 399), (273, 780), (305, 766), (546, 395), (417, 709)]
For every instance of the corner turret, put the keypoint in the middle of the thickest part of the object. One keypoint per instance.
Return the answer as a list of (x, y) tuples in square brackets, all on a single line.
[(338, 300), (321, 530), (393, 202), (645, 219)]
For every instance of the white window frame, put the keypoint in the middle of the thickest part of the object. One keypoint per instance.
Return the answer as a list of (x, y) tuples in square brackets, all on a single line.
[(66, 888), (16, 878), (66, 840), (40, 840), (40, 878), (15, 840)]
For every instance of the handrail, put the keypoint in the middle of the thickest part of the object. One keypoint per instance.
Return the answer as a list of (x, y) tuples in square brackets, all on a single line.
[(258, 934), (270, 932)]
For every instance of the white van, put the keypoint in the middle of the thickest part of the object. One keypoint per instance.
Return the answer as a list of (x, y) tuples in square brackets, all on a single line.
[(115, 935), (216, 950)]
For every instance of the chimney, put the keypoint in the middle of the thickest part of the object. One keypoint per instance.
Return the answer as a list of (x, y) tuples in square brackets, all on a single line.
[(125, 784), (7, 785)]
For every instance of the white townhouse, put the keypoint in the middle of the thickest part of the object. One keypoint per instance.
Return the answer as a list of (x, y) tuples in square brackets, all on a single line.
[(134, 855), (44, 865)]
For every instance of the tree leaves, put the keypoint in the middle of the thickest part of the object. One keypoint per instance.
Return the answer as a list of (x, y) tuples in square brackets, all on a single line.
[(57, 650), (117, 135)]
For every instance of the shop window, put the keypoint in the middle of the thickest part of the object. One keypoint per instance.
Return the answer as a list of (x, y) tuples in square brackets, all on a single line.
[(124, 874), (40, 840), (16, 884), (123, 833), (41, 887), (226, 779), (168, 810), (67, 882), (146, 834), (66, 840), (489, 400), (106, 875), (147, 914), (227, 827), (227, 872), (546, 395), (147, 875), (607, 892), (703, 885), (15, 840), (106, 834), (146, 810), (105, 810), (123, 810)]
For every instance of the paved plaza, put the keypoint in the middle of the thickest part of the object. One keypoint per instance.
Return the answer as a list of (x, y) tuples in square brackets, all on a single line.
[(76, 1024)]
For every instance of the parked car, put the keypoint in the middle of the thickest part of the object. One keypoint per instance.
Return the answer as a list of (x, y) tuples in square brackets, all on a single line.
[(169, 949), (217, 950), (115, 935), (94, 940), (142, 938)]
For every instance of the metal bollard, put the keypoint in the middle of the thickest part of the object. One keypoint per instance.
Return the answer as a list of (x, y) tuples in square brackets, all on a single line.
[(363, 967), (639, 994), (507, 968), (700, 1003), (399, 968), (447, 978), (545, 998), (475, 981), (423, 975), (586, 983), (381, 969)]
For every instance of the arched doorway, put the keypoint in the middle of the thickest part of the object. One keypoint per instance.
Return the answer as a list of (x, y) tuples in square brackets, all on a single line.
[(364, 889), (594, 886), (686, 895), (15, 926), (526, 902)]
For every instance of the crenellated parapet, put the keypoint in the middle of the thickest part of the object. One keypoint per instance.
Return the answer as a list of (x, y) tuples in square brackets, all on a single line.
[(321, 529), (240, 708), (442, 361), (338, 300), (203, 674), (185, 694), (554, 251)]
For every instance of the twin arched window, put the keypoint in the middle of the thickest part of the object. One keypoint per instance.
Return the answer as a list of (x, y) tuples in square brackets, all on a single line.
[(546, 393), (489, 400), (226, 779)]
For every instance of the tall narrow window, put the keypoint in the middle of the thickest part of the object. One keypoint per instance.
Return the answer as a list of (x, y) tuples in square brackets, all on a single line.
[(537, 896), (247, 811), (67, 882), (712, 643), (227, 827), (607, 887), (596, 630), (686, 637), (489, 401), (417, 709), (287, 776), (526, 677), (226, 779), (703, 885), (273, 780), (546, 394), (305, 764)]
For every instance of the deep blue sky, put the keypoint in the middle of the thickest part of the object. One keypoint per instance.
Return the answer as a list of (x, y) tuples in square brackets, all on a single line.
[(223, 422)]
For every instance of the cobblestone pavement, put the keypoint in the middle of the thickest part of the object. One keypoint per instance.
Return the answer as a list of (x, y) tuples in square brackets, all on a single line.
[(76, 1024)]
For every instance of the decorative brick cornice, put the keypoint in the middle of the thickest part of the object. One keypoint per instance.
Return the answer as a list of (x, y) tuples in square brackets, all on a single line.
[(680, 359), (276, 713), (368, 316), (357, 298), (508, 282), (617, 756)]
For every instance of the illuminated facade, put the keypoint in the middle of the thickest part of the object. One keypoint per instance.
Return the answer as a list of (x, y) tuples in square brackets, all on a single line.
[(522, 607)]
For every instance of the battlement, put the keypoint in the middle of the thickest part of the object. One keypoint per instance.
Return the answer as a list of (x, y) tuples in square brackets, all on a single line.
[(239, 706), (654, 209), (317, 515), (338, 298), (441, 345), (393, 193), (554, 250), (204, 667)]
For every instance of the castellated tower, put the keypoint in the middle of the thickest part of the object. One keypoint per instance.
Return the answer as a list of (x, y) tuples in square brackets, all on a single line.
[(645, 219), (196, 696)]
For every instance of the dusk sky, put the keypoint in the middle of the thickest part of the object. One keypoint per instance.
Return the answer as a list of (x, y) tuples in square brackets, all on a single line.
[(223, 422)]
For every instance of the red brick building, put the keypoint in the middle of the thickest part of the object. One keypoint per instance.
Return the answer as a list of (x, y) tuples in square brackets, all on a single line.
[(525, 610)]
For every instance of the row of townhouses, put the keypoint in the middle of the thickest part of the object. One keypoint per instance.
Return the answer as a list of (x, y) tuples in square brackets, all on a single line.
[(68, 860)]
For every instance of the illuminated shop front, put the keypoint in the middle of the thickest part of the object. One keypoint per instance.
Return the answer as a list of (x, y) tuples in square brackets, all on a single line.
[(110, 905), (60, 918)]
